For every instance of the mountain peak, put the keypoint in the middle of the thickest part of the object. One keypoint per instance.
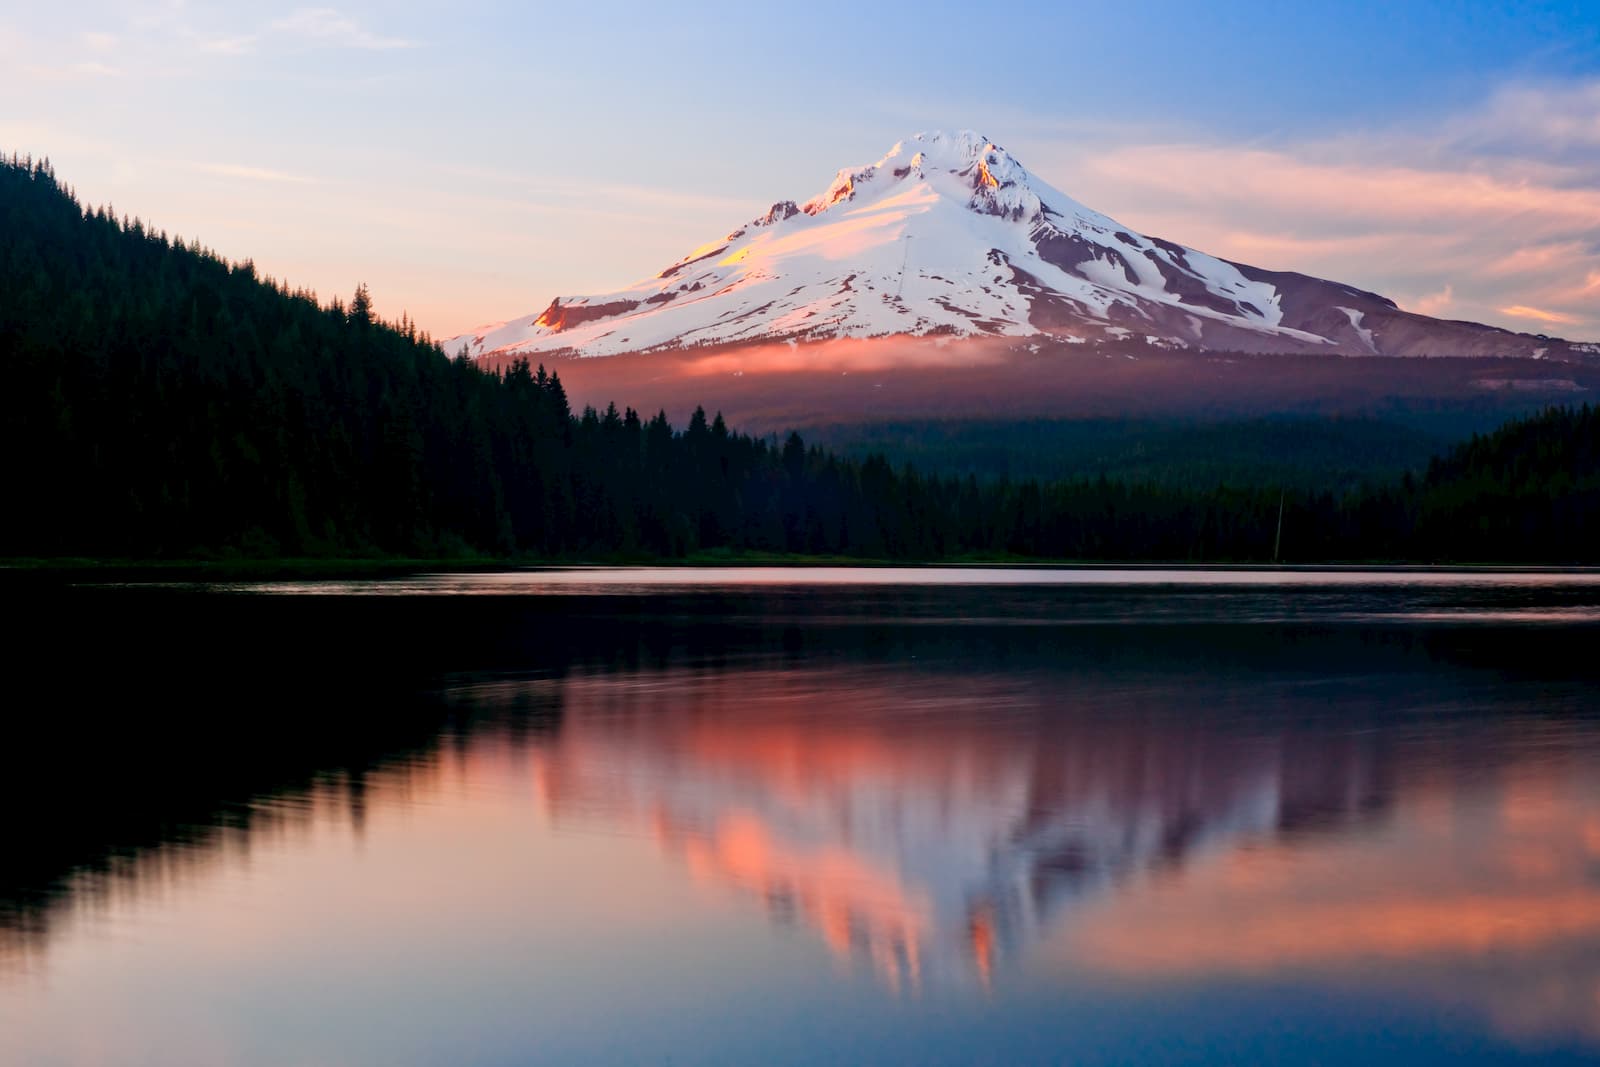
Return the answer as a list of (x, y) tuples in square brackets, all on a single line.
[(949, 234), (996, 182), (959, 151)]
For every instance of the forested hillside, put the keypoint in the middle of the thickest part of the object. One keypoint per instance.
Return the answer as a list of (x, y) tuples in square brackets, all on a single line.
[(163, 403), (1529, 490), (1306, 452)]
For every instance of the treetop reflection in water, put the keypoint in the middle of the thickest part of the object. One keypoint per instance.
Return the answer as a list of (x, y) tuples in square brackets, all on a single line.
[(663, 828)]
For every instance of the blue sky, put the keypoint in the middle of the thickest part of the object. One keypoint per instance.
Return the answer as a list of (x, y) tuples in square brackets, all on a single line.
[(472, 160)]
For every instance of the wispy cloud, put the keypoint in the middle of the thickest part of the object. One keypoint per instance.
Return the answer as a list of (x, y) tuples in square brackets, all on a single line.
[(85, 69), (1275, 181), (1434, 303), (235, 45), (327, 26), (156, 39), (1521, 311), (157, 14), (1545, 119), (612, 199), (255, 174)]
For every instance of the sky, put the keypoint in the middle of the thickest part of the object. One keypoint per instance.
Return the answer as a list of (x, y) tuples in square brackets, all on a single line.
[(470, 161)]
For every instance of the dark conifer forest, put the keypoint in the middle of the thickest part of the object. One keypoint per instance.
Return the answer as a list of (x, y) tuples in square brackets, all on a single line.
[(163, 403)]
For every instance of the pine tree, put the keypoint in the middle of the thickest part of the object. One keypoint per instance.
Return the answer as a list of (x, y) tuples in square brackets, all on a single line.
[(361, 306)]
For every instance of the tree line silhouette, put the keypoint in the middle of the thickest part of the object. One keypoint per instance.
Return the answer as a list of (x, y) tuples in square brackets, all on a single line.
[(162, 402)]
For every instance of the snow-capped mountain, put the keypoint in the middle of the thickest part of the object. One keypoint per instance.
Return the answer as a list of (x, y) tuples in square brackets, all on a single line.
[(949, 235)]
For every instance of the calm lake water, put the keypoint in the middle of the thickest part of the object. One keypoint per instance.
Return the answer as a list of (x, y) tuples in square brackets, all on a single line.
[(826, 816)]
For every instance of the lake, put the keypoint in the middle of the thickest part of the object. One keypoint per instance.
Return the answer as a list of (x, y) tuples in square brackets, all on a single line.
[(832, 815)]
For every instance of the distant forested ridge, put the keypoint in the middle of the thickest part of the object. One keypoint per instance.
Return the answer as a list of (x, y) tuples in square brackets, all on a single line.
[(161, 402), (1297, 451)]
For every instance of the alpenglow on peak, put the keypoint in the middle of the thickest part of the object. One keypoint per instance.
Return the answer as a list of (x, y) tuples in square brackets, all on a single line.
[(950, 235)]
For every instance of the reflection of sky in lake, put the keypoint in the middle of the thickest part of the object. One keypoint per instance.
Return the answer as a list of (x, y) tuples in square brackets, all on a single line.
[(871, 856)]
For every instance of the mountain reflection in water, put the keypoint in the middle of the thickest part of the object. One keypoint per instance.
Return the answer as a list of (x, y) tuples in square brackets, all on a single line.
[(940, 828), (1370, 811), (932, 825)]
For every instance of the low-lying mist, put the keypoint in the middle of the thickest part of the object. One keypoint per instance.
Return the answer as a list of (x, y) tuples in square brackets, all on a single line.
[(774, 387)]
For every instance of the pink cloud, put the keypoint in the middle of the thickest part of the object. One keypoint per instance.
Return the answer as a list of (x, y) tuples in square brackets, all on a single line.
[(1493, 209), (1524, 312), (1282, 181), (1433, 303)]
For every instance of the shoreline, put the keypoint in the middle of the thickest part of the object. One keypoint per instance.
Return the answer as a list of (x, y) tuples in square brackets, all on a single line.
[(88, 571)]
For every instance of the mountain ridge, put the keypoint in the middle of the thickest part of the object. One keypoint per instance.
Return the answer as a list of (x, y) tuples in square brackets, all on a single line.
[(950, 235)]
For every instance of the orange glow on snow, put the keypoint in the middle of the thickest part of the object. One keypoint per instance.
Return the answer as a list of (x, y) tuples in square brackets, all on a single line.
[(847, 356)]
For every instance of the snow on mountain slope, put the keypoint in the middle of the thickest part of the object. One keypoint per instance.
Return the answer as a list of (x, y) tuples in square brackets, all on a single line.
[(949, 235)]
